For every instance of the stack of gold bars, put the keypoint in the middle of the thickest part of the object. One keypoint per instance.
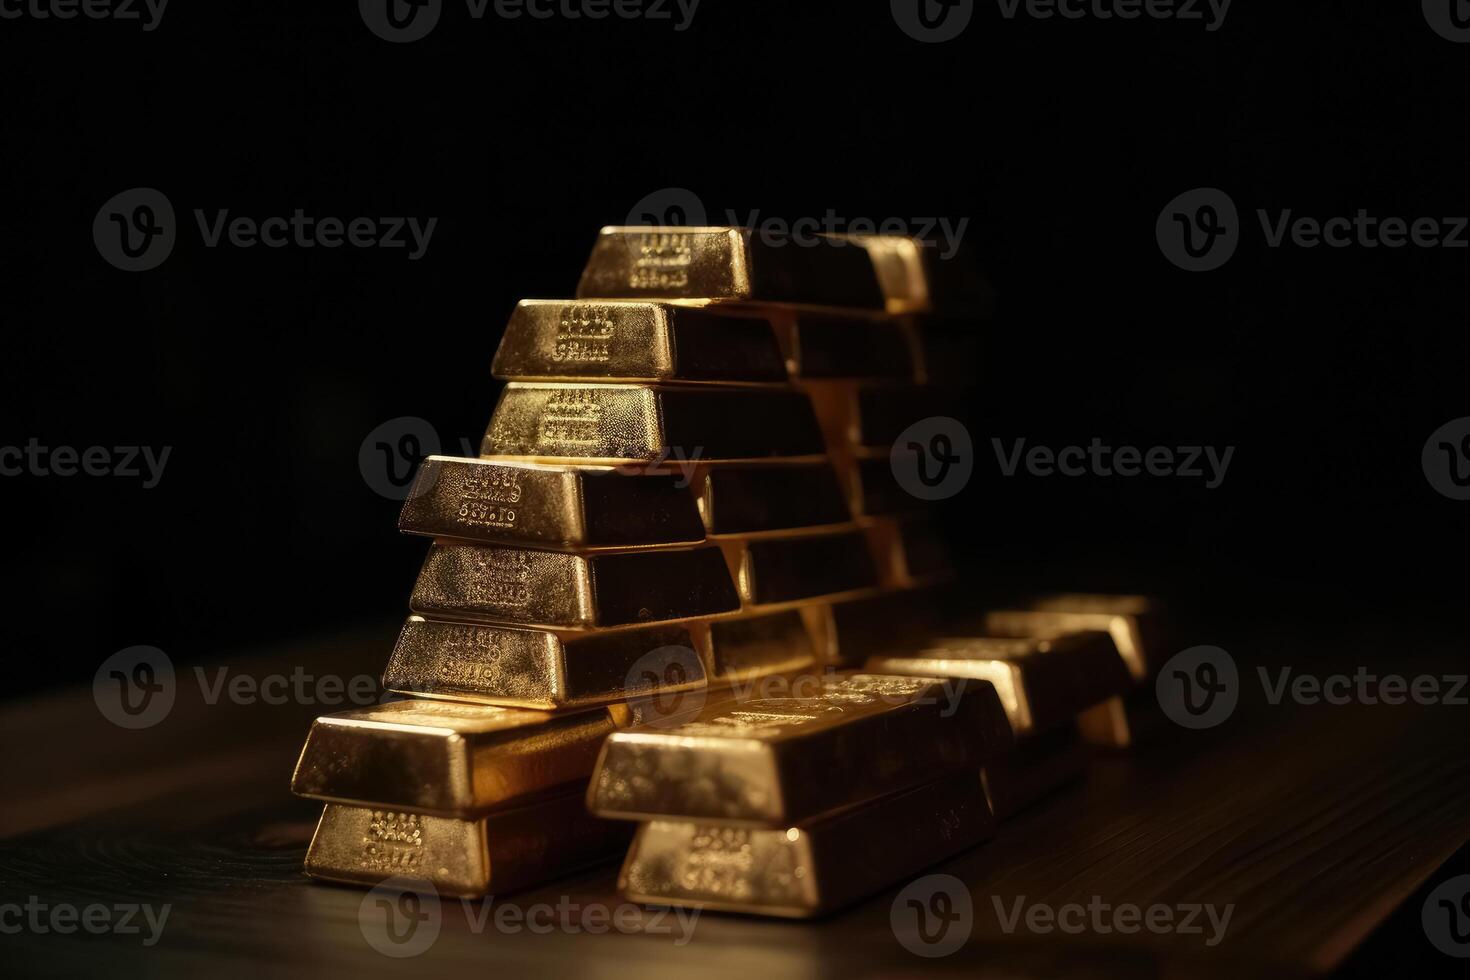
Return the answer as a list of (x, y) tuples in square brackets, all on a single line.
[(682, 586)]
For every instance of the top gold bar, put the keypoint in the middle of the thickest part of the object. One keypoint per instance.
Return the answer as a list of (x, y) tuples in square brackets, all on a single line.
[(728, 263)]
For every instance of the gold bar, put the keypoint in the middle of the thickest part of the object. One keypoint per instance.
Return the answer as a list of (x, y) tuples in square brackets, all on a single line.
[(540, 669), (773, 762), (563, 507), (1038, 767), (445, 759), (823, 345), (613, 341), (809, 870), (643, 423), (502, 852), (916, 276), (750, 499), (546, 588), (851, 632), (751, 647), (728, 263), (1134, 622), (910, 552), (868, 418), (773, 572), (1042, 683)]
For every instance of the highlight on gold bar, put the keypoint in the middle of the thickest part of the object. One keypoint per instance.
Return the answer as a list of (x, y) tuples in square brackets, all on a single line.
[(1042, 683), (567, 591), (502, 852), (571, 507), (446, 759), (811, 869), (628, 341), (648, 423), (775, 572), (773, 762), (1133, 621), (728, 263), (528, 668), (750, 498)]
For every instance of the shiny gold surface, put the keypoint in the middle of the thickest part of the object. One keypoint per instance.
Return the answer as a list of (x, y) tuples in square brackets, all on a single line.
[(750, 647), (775, 572), (749, 498), (564, 507), (503, 852), (728, 263), (1042, 683), (445, 759), (1037, 768), (644, 423), (540, 669), (1132, 621), (771, 762), (543, 588), (797, 872), (622, 341)]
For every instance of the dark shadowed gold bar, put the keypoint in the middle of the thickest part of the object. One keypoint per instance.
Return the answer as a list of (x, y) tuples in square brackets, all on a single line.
[(446, 759), (749, 498), (541, 669), (502, 852), (624, 341), (1042, 683), (821, 344), (947, 350), (799, 872), (773, 572), (876, 491), (919, 275), (773, 762), (644, 423), (571, 507), (1134, 622), (563, 591), (1038, 767), (850, 632), (728, 263), (909, 551), (749, 647)]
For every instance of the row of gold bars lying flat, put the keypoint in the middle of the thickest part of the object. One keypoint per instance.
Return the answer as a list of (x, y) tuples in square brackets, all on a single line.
[(682, 586)]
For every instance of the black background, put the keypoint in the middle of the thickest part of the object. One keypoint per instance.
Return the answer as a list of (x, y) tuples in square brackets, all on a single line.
[(264, 369)]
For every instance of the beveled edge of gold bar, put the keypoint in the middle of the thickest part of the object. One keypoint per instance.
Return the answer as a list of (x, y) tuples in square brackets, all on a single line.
[(740, 551), (1125, 629), (513, 666)]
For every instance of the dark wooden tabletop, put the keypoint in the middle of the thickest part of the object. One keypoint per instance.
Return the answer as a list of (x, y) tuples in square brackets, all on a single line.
[(1317, 824)]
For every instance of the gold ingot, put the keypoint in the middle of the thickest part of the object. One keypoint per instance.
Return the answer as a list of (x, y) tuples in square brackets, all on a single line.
[(777, 572), (503, 852), (1133, 621), (748, 498), (446, 759), (565, 591), (850, 632), (910, 552), (728, 264), (526, 668), (1039, 767), (811, 869), (562, 507), (915, 275), (623, 341), (1042, 683), (623, 424), (773, 762), (747, 648)]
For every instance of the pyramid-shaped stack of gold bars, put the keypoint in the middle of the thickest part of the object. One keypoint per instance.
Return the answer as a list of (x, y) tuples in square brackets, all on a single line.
[(650, 597)]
